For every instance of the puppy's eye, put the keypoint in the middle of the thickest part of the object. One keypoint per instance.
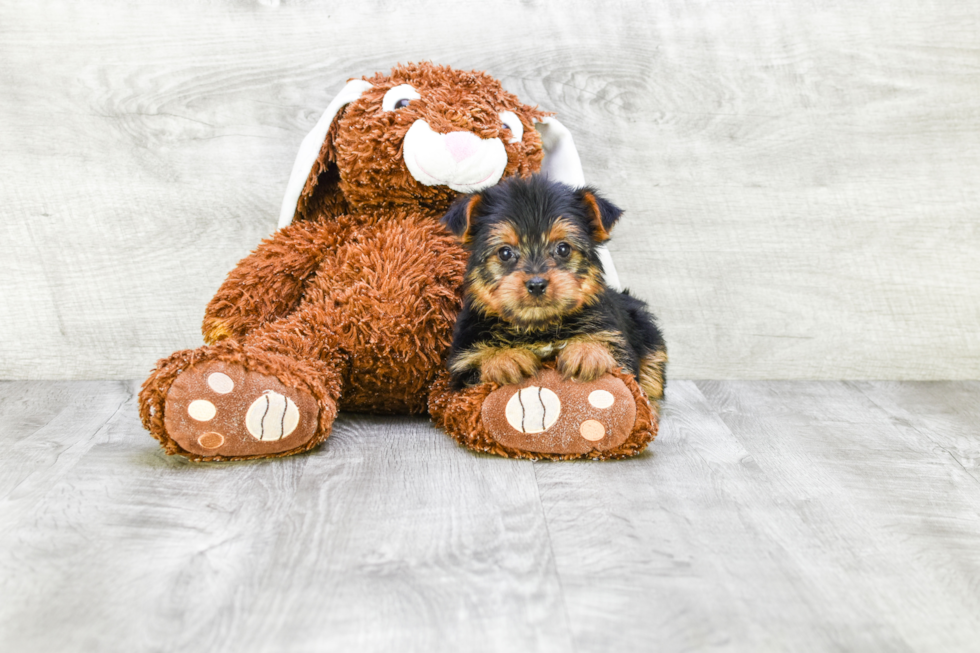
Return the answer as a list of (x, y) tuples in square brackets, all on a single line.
[(512, 124), (398, 97), (506, 254), (563, 250)]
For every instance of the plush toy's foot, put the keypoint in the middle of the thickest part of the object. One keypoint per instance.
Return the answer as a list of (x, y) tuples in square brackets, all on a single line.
[(219, 404), (220, 409), (550, 417)]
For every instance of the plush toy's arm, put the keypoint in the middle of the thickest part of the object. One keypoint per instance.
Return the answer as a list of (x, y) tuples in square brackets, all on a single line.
[(269, 282)]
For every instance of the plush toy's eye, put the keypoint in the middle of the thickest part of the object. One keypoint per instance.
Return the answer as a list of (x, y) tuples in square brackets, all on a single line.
[(563, 250), (398, 97), (506, 254), (513, 123)]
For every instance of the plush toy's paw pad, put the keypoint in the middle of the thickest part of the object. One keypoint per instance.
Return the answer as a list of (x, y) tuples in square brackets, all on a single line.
[(548, 414), (221, 409), (272, 417)]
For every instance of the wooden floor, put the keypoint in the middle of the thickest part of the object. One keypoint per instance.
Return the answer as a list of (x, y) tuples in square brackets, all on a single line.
[(768, 516)]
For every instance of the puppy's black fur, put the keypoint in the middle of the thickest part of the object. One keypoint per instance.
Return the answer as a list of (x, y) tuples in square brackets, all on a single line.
[(534, 289)]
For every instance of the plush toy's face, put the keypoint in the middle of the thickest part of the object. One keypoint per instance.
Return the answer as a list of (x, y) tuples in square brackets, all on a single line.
[(425, 134)]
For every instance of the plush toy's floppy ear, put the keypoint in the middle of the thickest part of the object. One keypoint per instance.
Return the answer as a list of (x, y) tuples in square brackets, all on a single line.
[(562, 163), (309, 149), (459, 219), (603, 213), (561, 160)]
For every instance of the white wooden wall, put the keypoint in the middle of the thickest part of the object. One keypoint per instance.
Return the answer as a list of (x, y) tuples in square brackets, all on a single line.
[(802, 180)]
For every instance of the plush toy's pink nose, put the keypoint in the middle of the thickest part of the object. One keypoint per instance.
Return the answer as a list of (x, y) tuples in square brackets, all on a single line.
[(462, 145)]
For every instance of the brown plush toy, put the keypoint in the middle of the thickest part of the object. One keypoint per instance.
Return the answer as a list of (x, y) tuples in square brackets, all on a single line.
[(351, 304)]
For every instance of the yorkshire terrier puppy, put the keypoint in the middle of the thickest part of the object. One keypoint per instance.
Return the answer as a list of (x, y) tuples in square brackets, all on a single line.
[(534, 290)]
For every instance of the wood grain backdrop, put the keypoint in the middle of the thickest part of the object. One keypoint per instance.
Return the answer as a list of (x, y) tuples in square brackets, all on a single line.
[(802, 180)]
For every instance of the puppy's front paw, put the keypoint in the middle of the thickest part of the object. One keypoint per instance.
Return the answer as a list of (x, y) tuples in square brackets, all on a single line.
[(507, 366), (585, 361)]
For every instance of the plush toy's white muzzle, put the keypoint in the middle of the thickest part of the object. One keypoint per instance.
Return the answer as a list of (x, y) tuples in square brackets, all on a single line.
[(461, 160)]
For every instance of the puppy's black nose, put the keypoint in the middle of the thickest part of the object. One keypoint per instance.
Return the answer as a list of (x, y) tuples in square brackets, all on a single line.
[(536, 285)]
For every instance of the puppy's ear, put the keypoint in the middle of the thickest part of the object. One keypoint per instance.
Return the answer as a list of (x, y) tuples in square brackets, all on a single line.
[(602, 213), (459, 219)]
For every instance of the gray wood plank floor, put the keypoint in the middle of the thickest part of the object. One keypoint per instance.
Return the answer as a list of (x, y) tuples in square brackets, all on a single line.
[(768, 516)]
